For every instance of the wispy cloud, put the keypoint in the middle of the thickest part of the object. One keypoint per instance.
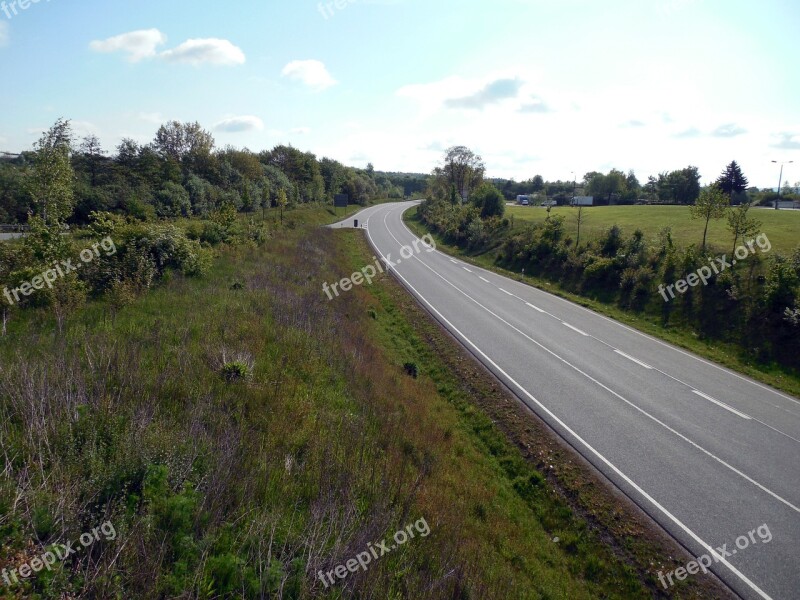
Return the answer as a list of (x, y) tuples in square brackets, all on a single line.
[(535, 106), (240, 124), (312, 73), (728, 130), (492, 93), (143, 44), (633, 124), (212, 51), (138, 45), (692, 132), (787, 142)]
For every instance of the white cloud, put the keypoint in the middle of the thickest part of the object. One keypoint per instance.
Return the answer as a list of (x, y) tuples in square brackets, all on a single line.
[(138, 45), (240, 124), (492, 93), (787, 142), (312, 73), (142, 44), (5, 35), (301, 130), (205, 51), (728, 130)]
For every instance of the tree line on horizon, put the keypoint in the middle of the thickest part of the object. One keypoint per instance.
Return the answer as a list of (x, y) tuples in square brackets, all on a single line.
[(182, 173)]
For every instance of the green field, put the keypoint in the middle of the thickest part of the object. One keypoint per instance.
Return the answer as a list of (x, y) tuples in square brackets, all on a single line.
[(781, 227)]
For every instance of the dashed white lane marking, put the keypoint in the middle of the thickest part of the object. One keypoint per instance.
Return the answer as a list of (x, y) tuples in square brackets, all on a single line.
[(575, 329), (466, 269), (483, 279), (723, 405), (629, 357), (535, 307)]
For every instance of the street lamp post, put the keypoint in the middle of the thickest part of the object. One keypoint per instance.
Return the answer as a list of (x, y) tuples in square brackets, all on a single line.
[(780, 180)]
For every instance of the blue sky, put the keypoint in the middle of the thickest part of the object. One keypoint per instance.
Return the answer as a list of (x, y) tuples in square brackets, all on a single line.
[(534, 86)]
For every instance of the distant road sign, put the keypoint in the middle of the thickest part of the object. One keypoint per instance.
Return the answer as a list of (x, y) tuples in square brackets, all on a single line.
[(341, 200)]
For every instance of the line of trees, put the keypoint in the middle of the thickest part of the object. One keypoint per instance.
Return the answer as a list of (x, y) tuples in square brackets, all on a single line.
[(681, 186), (182, 173)]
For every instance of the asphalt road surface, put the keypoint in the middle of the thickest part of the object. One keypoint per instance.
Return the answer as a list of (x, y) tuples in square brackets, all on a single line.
[(711, 455)]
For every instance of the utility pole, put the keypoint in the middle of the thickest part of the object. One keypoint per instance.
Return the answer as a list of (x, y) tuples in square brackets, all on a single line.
[(780, 180)]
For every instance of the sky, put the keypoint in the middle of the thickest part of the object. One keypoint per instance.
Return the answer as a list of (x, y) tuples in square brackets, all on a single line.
[(533, 86)]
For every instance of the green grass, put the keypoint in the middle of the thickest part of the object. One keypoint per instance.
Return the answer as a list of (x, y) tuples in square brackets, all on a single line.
[(782, 227)]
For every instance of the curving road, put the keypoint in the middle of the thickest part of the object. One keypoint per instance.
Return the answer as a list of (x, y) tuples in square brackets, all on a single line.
[(709, 454)]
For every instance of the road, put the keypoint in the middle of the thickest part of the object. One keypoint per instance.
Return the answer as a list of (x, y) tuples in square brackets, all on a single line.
[(709, 454)]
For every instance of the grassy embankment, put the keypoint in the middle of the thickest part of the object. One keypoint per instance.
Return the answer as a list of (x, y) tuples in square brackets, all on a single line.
[(228, 486), (780, 226)]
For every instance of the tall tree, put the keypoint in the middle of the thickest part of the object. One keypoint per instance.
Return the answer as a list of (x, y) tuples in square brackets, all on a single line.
[(185, 143), (93, 154), (712, 204), (682, 186), (51, 182), (732, 181), (464, 169)]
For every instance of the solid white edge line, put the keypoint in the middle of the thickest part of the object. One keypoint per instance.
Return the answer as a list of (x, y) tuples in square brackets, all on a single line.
[(583, 442), (723, 405), (629, 357)]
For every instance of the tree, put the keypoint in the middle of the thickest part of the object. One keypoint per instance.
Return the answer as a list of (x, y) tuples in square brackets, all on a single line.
[(183, 141), (537, 183), (732, 181), (606, 186), (173, 201), (741, 225), (282, 201), (93, 153), (463, 168), (51, 182), (712, 204), (684, 185), (489, 200)]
